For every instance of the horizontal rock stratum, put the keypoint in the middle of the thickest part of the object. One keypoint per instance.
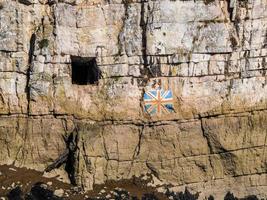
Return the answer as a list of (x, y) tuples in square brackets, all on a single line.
[(176, 89)]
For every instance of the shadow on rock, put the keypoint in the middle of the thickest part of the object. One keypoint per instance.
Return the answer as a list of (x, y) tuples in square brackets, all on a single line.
[(186, 195), (15, 194), (230, 196), (40, 192), (149, 197)]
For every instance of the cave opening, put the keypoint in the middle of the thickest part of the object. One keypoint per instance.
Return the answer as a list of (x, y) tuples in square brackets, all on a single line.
[(84, 70)]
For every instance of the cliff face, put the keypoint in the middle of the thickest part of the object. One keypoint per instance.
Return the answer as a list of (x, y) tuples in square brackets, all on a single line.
[(206, 58)]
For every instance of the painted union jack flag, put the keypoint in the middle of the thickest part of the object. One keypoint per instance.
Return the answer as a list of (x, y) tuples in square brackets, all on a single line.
[(158, 102)]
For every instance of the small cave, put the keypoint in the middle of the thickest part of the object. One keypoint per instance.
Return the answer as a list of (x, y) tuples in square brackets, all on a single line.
[(84, 70), (230, 10)]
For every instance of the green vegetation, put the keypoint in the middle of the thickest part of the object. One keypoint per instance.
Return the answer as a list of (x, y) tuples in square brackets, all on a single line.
[(206, 2), (43, 43)]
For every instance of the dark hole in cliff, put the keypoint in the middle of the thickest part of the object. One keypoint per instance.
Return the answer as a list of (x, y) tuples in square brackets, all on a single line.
[(230, 10), (71, 162), (84, 70)]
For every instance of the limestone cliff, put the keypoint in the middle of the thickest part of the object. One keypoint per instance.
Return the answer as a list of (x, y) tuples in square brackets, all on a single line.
[(206, 57)]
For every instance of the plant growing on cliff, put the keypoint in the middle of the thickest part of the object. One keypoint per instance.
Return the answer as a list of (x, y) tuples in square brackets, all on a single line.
[(206, 2), (43, 43)]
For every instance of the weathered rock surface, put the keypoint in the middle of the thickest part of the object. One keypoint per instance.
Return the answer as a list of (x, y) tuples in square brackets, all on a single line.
[(210, 53)]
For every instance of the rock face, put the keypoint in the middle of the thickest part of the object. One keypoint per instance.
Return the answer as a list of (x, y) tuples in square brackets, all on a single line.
[(207, 58)]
